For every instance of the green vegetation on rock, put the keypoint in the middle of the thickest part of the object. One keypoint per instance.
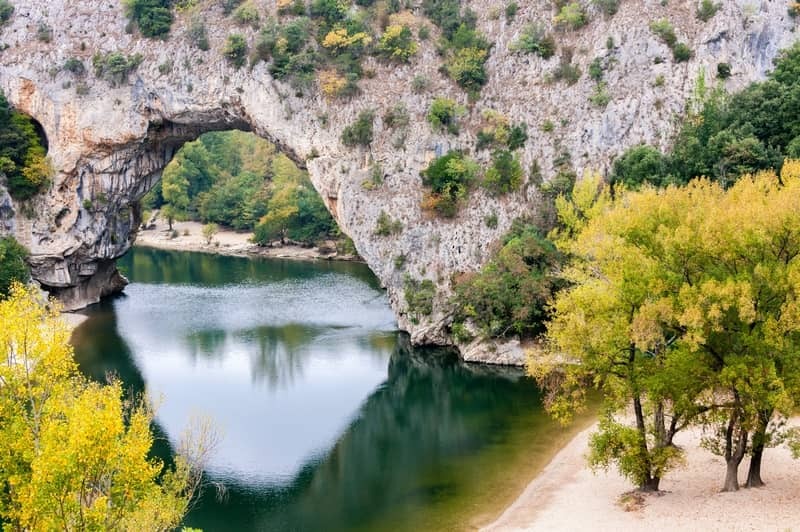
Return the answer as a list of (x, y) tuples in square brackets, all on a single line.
[(24, 166), (13, 267)]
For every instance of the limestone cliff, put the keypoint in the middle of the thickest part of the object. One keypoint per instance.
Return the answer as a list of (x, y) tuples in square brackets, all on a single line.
[(109, 144)]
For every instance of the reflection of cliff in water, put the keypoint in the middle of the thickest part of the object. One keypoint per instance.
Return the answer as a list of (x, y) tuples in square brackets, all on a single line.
[(401, 452)]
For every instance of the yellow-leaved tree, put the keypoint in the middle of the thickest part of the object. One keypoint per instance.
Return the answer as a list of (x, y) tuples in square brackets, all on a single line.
[(75, 455), (684, 308)]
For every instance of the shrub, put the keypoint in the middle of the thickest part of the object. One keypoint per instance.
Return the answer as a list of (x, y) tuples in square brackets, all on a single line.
[(600, 97), (608, 7), (466, 68), (330, 10), (535, 40), (419, 297), (444, 113), (397, 43), (566, 71), (153, 17), (505, 175), (510, 294), (723, 70), (596, 69), (115, 67), (498, 132), (13, 265), (44, 32), (360, 131), (572, 15), (229, 5), (385, 226), (247, 14), (198, 36), (511, 11), (6, 10), (75, 66), (235, 50), (449, 178), (664, 30), (419, 83), (397, 116), (681, 52), (707, 9)]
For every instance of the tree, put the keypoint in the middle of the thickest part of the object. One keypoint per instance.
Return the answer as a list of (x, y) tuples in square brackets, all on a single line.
[(614, 327), (175, 191), (684, 304), (510, 294), (75, 454), (209, 231), (153, 17), (13, 267)]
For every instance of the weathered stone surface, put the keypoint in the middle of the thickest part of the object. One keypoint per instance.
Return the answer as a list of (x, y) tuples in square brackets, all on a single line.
[(110, 145)]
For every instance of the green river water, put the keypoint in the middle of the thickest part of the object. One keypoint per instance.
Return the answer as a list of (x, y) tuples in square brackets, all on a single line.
[(330, 420)]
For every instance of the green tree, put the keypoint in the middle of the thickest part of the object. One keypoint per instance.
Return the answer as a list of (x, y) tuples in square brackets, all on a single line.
[(153, 17), (175, 191), (638, 166), (510, 294), (505, 175), (449, 178), (13, 265)]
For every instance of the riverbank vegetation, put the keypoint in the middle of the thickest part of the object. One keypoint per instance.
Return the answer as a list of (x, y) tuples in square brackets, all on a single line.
[(76, 454), (237, 180)]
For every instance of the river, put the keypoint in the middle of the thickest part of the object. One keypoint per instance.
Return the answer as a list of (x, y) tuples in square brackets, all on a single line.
[(329, 419)]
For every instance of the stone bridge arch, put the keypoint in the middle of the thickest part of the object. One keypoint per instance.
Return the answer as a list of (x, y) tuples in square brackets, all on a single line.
[(109, 140)]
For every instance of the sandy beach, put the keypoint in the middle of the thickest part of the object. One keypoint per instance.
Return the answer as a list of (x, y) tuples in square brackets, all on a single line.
[(566, 495), (225, 242)]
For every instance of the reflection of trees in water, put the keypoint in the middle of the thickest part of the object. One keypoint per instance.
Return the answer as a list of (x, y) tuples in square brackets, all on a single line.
[(397, 456), (147, 265), (279, 354)]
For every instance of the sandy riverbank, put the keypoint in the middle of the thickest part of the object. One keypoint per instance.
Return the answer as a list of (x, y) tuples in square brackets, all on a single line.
[(566, 495), (225, 242), (73, 320)]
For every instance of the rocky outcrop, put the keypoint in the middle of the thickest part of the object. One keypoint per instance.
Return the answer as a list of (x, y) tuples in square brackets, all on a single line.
[(110, 143)]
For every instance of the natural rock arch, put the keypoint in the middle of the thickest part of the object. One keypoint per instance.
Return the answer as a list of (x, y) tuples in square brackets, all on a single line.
[(110, 143)]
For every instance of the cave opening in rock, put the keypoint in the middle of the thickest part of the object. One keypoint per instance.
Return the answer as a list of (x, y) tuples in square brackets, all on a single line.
[(234, 189)]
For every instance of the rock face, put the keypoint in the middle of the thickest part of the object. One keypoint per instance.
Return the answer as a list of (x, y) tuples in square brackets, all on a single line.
[(109, 144)]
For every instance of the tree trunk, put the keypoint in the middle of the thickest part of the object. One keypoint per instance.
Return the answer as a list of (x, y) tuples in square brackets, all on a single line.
[(650, 484), (734, 452), (754, 473), (731, 476), (759, 442)]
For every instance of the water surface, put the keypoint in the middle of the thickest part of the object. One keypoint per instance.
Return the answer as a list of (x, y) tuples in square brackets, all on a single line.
[(330, 420)]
